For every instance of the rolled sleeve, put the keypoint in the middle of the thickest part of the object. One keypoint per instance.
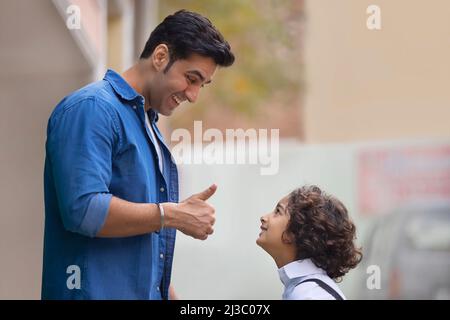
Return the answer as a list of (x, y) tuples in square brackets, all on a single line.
[(80, 146), (96, 214)]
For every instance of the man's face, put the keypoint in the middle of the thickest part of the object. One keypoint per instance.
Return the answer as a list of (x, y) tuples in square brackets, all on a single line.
[(181, 82), (273, 226)]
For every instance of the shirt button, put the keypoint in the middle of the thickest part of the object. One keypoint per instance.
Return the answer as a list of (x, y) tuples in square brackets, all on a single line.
[(161, 256), (161, 189), (157, 288), (134, 107)]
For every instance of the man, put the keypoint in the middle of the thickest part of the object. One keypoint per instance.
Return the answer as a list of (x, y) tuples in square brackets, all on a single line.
[(111, 187)]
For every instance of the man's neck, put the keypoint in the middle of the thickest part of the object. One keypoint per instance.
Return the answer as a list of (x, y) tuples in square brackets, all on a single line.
[(134, 76)]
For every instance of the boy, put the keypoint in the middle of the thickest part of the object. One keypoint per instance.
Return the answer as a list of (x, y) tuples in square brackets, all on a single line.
[(310, 237)]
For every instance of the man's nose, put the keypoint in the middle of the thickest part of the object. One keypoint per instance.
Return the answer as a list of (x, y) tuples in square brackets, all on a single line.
[(262, 219), (192, 93)]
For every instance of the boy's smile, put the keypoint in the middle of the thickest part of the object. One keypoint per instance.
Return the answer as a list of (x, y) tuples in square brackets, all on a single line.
[(273, 226)]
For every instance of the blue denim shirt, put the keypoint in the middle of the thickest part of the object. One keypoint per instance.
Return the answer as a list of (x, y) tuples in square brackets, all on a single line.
[(99, 146)]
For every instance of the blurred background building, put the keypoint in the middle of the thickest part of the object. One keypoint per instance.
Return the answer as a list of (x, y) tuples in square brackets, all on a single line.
[(362, 113)]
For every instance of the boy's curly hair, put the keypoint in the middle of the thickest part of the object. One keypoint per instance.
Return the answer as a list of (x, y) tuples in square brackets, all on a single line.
[(323, 231)]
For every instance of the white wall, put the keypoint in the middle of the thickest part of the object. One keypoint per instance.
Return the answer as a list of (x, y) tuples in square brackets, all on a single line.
[(229, 264), (40, 64)]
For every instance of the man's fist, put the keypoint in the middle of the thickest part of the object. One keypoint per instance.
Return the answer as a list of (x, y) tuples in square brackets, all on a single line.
[(193, 216)]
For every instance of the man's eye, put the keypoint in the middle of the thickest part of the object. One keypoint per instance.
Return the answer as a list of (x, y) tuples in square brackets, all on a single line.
[(191, 80), (194, 81)]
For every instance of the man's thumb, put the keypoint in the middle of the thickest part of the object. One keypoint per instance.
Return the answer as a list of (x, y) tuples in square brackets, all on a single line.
[(205, 195)]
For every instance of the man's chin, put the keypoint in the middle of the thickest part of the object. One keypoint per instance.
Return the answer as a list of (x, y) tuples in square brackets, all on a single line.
[(166, 112)]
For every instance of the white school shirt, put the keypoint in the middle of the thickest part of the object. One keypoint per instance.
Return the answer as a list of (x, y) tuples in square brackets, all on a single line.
[(309, 290), (156, 143)]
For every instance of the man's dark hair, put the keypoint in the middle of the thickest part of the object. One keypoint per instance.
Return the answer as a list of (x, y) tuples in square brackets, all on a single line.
[(323, 231), (185, 33)]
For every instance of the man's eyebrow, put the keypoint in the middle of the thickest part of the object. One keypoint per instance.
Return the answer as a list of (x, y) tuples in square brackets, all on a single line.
[(197, 73)]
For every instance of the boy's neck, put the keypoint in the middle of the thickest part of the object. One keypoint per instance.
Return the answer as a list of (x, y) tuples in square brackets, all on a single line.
[(285, 257)]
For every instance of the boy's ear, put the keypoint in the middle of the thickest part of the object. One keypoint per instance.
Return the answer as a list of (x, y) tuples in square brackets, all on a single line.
[(287, 237)]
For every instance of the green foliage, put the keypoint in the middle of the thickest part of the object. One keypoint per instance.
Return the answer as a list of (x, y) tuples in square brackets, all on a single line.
[(265, 37)]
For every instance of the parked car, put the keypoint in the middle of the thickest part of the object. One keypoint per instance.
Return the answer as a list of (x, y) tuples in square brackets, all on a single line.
[(411, 247)]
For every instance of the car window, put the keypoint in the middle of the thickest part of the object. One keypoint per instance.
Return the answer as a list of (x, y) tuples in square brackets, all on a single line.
[(429, 232)]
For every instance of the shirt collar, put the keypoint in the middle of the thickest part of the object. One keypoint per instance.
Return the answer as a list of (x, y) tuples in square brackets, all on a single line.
[(125, 91), (153, 115), (120, 86), (299, 268)]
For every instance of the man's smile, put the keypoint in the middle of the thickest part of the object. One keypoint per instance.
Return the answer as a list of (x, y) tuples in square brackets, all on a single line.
[(176, 99)]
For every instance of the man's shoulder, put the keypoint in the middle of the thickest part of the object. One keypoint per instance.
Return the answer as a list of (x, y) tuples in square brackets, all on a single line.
[(97, 94)]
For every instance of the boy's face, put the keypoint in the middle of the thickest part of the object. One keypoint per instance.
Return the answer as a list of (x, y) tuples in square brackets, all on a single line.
[(272, 227)]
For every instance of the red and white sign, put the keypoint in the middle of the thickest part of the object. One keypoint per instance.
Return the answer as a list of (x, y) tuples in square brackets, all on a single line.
[(393, 176)]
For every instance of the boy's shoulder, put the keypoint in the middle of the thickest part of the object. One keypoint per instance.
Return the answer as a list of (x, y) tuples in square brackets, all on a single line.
[(316, 287)]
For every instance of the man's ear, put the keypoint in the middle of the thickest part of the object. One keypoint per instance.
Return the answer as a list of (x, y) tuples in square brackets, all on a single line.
[(160, 57)]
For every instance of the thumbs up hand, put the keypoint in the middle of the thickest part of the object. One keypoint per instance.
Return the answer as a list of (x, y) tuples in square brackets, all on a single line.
[(193, 216), (206, 194)]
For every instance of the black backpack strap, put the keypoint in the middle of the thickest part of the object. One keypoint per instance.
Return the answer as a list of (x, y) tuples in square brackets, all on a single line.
[(324, 286)]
